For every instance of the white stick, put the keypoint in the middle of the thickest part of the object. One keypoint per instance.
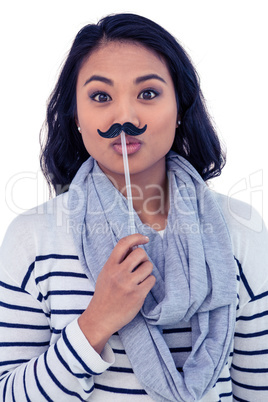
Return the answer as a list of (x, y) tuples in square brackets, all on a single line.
[(131, 221)]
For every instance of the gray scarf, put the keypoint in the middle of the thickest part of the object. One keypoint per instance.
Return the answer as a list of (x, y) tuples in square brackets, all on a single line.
[(194, 269)]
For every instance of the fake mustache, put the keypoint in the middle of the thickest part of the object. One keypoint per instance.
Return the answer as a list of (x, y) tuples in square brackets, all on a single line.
[(117, 128)]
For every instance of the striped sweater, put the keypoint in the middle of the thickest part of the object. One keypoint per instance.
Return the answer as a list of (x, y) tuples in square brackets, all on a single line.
[(44, 356)]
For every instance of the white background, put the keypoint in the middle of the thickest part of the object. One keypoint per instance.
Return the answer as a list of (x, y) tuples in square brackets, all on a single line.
[(226, 39)]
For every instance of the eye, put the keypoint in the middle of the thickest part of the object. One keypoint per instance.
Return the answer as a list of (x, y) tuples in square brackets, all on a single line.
[(101, 97), (148, 94)]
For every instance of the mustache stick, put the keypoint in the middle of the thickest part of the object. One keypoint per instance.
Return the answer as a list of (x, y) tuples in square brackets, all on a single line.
[(115, 130), (132, 228)]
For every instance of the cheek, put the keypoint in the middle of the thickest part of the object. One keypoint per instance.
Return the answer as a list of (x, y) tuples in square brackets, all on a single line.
[(166, 122), (86, 116), (91, 140), (164, 130)]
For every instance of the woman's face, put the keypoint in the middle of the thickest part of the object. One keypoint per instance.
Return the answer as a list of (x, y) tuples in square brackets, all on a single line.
[(125, 82)]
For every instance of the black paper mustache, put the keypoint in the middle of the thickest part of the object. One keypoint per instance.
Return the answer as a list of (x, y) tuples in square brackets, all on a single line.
[(116, 129)]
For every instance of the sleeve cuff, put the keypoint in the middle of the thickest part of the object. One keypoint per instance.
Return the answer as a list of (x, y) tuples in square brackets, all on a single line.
[(97, 363)]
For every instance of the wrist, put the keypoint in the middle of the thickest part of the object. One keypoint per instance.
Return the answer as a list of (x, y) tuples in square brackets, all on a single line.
[(96, 335)]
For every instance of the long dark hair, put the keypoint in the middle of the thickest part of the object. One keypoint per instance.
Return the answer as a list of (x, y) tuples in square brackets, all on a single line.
[(63, 151)]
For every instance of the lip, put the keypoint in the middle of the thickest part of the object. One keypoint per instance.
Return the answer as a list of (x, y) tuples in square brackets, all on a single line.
[(129, 140), (133, 145)]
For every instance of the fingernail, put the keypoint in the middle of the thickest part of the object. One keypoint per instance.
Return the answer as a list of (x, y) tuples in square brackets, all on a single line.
[(146, 238)]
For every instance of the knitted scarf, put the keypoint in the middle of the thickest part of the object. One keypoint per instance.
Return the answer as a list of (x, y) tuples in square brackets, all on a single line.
[(194, 269)]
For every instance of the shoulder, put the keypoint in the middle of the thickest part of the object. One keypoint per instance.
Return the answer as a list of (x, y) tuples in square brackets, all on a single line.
[(249, 239), (245, 224), (39, 231), (33, 222)]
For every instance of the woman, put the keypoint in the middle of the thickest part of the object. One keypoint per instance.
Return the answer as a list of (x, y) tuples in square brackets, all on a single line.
[(89, 312)]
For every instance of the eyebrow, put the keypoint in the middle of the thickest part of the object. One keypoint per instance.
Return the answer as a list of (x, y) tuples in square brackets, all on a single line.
[(137, 80), (149, 77), (99, 78)]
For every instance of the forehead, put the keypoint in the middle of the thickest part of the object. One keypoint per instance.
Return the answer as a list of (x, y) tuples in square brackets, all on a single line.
[(124, 59)]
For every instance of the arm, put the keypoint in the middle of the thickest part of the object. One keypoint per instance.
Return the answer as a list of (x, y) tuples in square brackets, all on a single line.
[(32, 369), (249, 368)]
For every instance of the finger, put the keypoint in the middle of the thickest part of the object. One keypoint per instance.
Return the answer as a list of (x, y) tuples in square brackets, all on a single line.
[(135, 258), (142, 272), (147, 285), (125, 246)]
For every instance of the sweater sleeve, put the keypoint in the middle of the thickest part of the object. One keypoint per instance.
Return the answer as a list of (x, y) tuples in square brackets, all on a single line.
[(249, 368), (31, 367)]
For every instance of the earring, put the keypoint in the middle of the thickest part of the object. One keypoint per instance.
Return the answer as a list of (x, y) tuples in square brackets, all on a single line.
[(179, 122), (79, 129)]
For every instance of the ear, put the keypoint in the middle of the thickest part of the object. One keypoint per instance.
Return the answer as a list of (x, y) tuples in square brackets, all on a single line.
[(77, 123)]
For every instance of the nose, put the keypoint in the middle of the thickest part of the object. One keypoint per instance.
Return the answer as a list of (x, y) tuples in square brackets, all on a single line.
[(125, 111)]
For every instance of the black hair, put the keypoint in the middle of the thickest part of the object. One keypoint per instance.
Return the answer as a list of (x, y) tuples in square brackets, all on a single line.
[(63, 151)]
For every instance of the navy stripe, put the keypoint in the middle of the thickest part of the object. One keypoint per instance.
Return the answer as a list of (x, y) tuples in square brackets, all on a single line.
[(68, 292), (13, 394), (252, 317), (239, 399), (119, 351), (180, 350), (75, 354), (18, 361), (253, 387), (5, 387), (27, 276), (59, 274), (226, 379), (90, 390), (13, 288), (42, 258), (64, 312), (40, 297), (121, 390), (260, 296), (24, 326), (56, 256), (251, 352), (41, 389), (244, 279), (24, 384), (120, 369), (56, 331), (59, 385), (251, 335), (226, 394), (26, 344), (176, 330), (250, 370), (60, 358), (21, 308), (65, 364)]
